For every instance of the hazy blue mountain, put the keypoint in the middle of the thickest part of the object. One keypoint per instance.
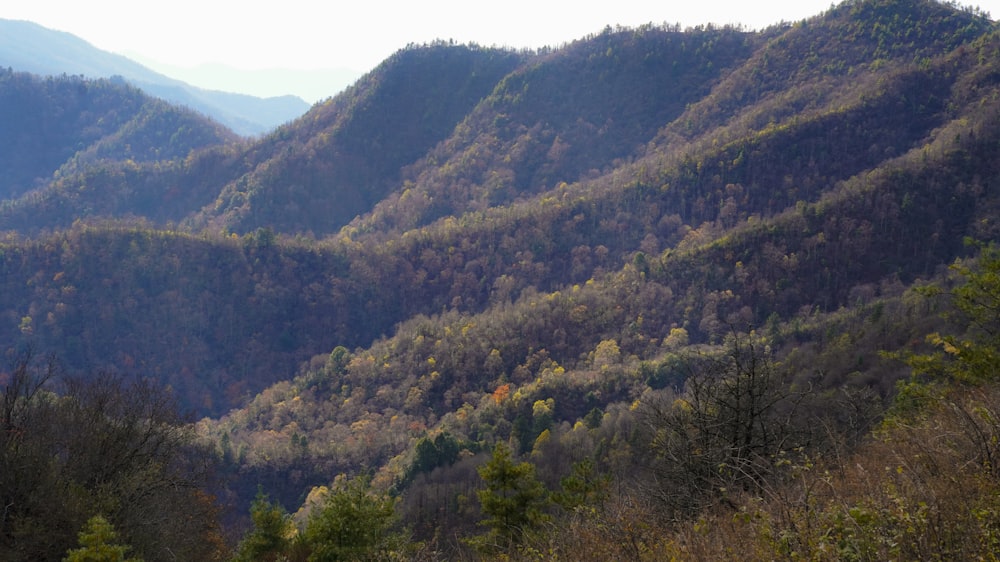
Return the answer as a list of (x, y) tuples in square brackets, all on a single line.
[(29, 47), (51, 127)]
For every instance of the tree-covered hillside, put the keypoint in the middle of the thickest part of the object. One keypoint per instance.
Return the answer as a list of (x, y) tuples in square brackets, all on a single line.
[(345, 155), (53, 126), (567, 303)]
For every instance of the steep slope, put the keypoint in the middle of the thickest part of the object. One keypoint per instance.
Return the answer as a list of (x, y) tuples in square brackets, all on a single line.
[(563, 116), (820, 61), (695, 190), (310, 176), (29, 47), (60, 124), (346, 154)]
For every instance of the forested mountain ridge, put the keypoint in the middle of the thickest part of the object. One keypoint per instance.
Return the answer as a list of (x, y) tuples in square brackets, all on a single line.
[(331, 175), (566, 116), (346, 154), (56, 126), (548, 251), (648, 198)]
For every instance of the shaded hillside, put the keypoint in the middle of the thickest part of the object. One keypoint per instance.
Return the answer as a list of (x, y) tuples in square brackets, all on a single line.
[(28, 47), (347, 154), (161, 192), (313, 175), (58, 124), (232, 315), (819, 61), (571, 114), (659, 201)]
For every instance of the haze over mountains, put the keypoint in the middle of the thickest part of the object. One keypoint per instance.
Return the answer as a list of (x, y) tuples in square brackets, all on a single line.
[(310, 85), (543, 250), (28, 47)]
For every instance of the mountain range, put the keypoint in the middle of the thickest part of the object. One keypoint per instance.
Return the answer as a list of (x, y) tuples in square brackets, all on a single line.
[(29, 47), (471, 245)]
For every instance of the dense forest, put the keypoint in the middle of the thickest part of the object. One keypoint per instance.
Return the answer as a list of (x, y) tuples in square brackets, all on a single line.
[(658, 293)]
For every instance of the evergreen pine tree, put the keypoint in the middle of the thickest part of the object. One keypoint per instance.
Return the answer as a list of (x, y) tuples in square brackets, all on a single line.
[(97, 544), (354, 523), (271, 535), (513, 500)]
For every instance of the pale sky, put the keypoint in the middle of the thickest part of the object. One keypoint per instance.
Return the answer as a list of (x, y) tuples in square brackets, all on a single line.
[(359, 34)]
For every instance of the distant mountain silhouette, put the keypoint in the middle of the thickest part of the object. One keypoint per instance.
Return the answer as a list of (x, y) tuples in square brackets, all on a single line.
[(29, 47)]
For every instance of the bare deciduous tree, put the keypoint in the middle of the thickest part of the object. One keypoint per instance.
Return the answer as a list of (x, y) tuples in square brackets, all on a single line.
[(735, 424)]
